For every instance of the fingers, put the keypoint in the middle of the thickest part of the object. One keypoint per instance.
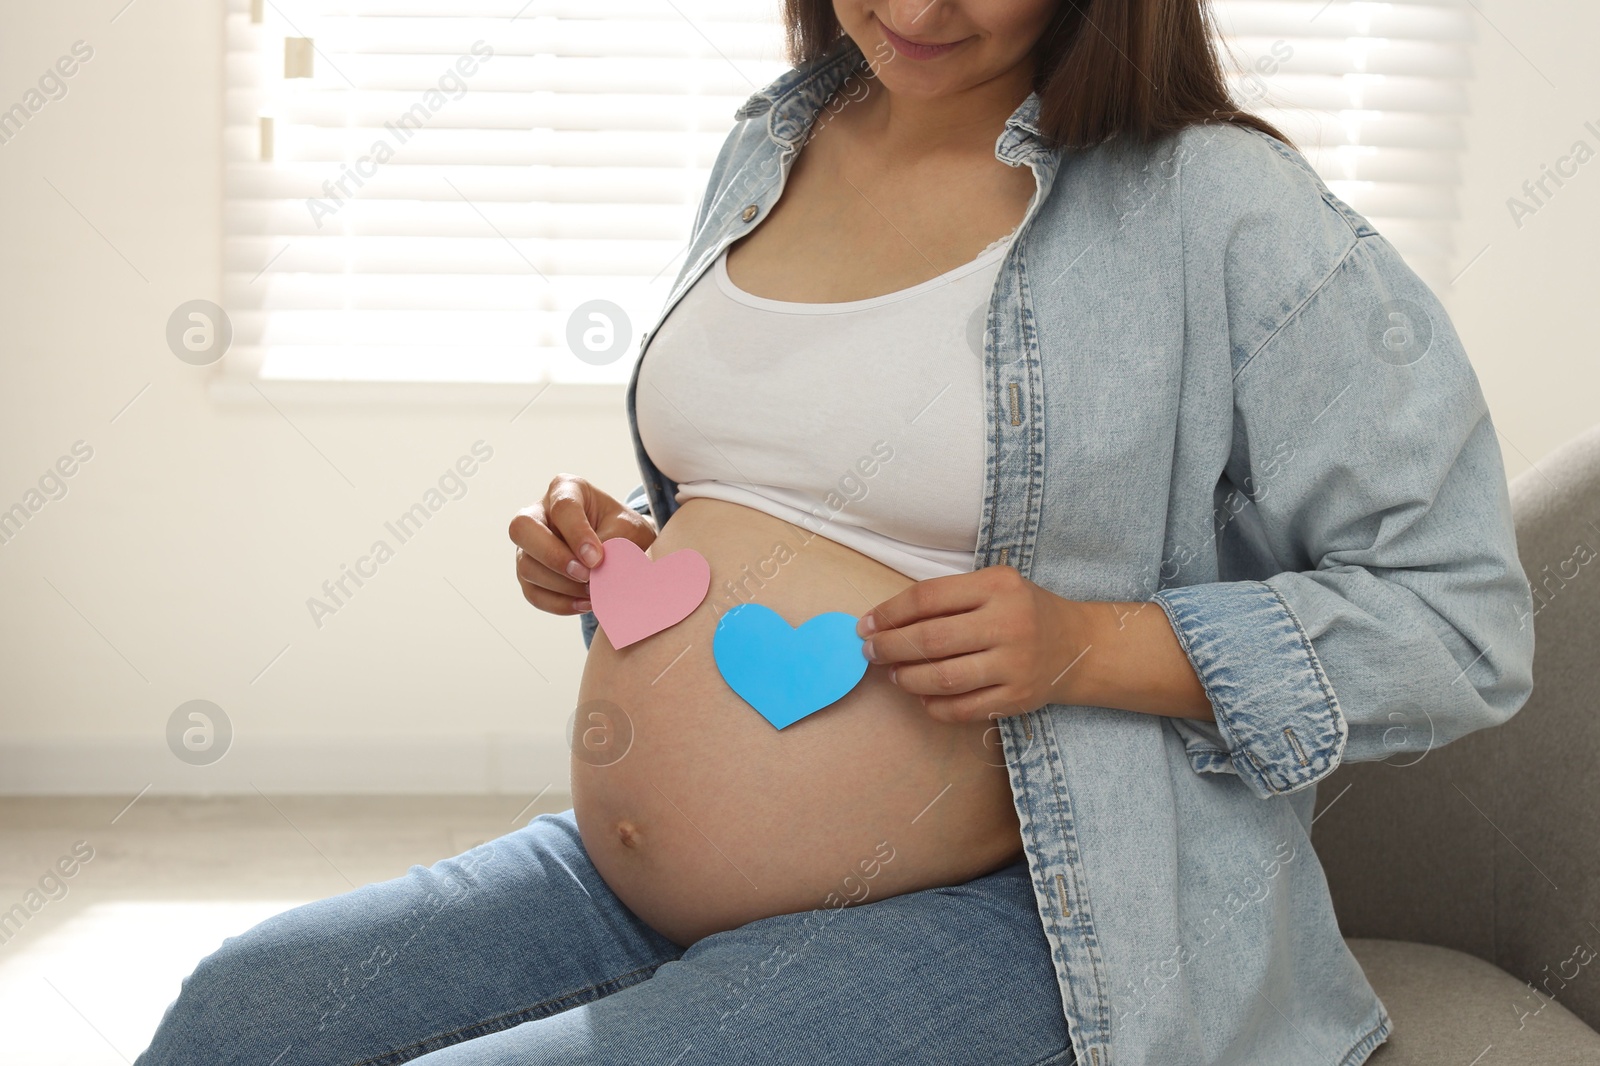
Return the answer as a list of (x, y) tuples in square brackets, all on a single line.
[(992, 702), (551, 577), (954, 641), (554, 602), (566, 511), (926, 599), (559, 540), (963, 689), (542, 558), (532, 572), (947, 677), (933, 638), (553, 529)]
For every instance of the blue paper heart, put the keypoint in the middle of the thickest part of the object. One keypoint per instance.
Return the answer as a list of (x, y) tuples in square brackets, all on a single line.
[(783, 672)]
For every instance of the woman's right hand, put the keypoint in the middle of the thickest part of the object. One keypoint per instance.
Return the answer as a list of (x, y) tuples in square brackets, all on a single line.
[(558, 540)]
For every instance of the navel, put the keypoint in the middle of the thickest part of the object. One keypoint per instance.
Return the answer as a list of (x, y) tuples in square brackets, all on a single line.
[(628, 833)]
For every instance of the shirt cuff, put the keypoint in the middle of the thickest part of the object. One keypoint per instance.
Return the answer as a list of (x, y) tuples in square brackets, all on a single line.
[(1275, 710)]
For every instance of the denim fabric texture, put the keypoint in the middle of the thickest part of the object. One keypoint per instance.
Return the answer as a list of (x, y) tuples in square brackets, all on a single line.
[(517, 953), (1216, 389)]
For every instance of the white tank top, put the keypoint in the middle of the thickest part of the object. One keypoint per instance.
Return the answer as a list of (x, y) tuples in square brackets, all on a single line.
[(861, 421)]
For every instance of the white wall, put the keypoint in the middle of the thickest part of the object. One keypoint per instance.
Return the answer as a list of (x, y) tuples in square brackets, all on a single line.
[(1525, 309), (192, 539), (178, 564)]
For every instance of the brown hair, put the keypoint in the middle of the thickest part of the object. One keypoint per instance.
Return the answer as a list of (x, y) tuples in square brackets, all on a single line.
[(1135, 69)]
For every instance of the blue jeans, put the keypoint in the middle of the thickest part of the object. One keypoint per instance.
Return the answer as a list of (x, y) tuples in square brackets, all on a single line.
[(516, 953)]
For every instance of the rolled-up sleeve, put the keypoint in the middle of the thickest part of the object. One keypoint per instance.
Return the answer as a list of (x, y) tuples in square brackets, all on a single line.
[(1367, 468)]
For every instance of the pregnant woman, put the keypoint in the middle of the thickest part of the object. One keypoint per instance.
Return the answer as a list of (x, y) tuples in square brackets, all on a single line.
[(1159, 486)]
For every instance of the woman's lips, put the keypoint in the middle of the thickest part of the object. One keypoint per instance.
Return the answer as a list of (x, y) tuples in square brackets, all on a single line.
[(912, 50)]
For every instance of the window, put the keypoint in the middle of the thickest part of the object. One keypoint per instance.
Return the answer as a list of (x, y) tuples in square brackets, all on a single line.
[(1375, 96), (426, 190), (439, 191)]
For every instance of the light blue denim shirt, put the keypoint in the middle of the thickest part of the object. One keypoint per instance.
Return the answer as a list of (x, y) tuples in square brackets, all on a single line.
[(1213, 385)]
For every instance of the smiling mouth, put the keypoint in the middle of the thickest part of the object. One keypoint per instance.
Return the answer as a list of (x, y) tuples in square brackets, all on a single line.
[(916, 49)]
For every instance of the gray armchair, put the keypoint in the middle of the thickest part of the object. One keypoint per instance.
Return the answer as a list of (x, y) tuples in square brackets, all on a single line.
[(1468, 883)]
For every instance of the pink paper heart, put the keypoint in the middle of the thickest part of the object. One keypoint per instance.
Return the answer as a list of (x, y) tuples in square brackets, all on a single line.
[(634, 596)]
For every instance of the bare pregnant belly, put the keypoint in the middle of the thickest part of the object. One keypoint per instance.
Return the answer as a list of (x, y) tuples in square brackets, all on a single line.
[(703, 817)]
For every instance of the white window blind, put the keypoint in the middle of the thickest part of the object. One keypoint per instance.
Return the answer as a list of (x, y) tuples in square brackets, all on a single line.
[(1375, 96), (441, 190), (566, 171)]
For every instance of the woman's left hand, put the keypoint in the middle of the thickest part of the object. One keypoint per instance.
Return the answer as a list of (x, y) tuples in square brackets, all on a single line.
[(979, 644)]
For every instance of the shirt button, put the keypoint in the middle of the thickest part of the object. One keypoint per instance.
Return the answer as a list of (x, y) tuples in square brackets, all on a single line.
[(749, 212)]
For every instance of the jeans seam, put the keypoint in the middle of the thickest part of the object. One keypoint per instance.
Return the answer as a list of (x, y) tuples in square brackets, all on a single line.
[(501, 1022), (1055, 1059)]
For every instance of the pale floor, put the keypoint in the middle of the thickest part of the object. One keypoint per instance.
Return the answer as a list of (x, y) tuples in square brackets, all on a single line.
[(86, 978)]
